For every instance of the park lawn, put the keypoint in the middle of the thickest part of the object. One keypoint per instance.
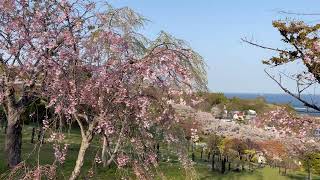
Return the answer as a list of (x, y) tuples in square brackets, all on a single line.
[(175, 172), (171, 170)]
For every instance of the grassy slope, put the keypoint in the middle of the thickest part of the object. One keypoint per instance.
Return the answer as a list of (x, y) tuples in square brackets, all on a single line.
[(171, 170)]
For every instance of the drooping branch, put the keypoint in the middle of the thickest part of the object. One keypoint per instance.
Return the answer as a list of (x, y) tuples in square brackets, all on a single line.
[(115, 151)]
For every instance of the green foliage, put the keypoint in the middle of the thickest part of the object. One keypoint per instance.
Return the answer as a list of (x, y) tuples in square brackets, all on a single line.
[(214, 142), (259, 104), (312, 160), (169, 170), (210, 100), (215, 98)]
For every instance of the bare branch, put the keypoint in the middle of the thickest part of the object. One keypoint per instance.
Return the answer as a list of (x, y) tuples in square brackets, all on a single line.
[(264, 47), (307, 104), (299, 14)]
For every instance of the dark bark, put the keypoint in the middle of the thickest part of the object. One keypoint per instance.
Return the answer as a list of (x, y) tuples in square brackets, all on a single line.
[(279, 170), (193, 156), (14, 109), (229, 168), (13, 143), (32, 135), (223, 165), (285, 170), (158, 148), (158, 152), (39, 134), (201, 154), (209, 156), (212, 162)]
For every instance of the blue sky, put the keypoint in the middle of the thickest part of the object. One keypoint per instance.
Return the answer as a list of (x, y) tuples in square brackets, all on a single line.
[(214, 29)]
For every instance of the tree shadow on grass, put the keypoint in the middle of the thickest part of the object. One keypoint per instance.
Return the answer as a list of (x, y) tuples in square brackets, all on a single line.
[(247, 175)]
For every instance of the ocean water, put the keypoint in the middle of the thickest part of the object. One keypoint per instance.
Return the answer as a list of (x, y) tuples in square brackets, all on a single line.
[(282, 99)]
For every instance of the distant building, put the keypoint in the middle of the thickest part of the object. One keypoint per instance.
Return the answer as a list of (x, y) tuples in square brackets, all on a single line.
[(237, 115), (317, 132), (261, 159), (251, 112)]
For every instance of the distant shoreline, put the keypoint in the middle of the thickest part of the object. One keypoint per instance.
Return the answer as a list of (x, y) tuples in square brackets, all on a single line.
[(281, 99)]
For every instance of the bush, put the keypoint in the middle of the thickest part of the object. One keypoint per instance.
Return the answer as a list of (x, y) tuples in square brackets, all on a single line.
[(210, 100), (259, 104)]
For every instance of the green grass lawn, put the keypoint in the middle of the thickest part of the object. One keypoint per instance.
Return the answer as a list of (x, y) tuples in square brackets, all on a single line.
[(171, 170), (174, 172)]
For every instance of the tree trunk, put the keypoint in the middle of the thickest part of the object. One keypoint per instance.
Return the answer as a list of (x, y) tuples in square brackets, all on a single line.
[(309, 170), (158, 152), (13, 141), (309, 175), (209, 156), (279, 170), (241, 165), (104, 151), (213, 162), (158, 148), (79, 163), (193, 156), (32, 135), (285, 170), (40, 135), (223, 165)]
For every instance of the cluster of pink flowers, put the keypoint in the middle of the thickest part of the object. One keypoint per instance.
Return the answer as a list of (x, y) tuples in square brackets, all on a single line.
[(92, 68), (7, 5), (122, 160), (58, 137), (60, 153), (296, 132), (152, 159), (194, 135), (98, 160), (316, 46), (106, 127), (46, 124), (1, 96), (287, 123)]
